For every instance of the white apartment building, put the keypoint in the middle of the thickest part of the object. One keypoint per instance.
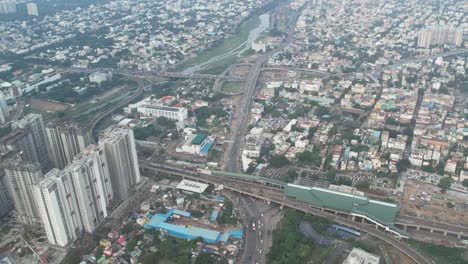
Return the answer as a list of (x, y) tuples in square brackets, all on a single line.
[(92, 186), (174, 113), (5, 201), (34, 124), (20, 178), (58, 208), (4, 112), (66, 140), (439, 35), (7, 7), (32, 9), (119, 147), (99, 77)]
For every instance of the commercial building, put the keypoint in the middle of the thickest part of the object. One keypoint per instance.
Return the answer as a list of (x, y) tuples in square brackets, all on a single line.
[(151, 107), (46, 76), (20, 178), (359, 256), (58, 208), (66, 141), (34, 124), (4, 113), (99, 77), (32, 9), (119, 147), (173, 113)]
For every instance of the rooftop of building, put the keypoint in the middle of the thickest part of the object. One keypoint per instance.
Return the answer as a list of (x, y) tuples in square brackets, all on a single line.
[(192, 186), (198, 139)]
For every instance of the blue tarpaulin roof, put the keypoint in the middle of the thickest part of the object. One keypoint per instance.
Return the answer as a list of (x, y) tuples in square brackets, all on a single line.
[(239, 233), (158, 221), (204, 150), (214, 215)]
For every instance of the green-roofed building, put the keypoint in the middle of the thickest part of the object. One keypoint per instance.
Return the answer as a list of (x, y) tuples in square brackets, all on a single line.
[(198, 139), (382, 212)]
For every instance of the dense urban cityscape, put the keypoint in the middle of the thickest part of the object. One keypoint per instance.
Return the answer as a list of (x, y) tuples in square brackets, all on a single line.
[(233, 131)]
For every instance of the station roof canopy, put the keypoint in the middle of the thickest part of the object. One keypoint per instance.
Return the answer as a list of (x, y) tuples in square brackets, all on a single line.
[(382, 212), (192, 186)]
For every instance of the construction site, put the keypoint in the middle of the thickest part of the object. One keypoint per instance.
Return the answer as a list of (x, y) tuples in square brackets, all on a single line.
[(426, 201)]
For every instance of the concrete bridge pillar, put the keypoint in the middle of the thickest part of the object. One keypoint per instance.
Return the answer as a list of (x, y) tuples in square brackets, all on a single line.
[(431, 230), (405, 228), (445, 233), (362, 220), (417, 228), (459, 235)]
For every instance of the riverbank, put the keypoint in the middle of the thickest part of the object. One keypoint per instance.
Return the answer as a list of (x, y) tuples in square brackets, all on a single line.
[(215, 60)]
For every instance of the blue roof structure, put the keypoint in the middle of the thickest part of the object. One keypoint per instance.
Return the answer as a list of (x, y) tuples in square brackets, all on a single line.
[(214, 215), (158, 221), (205, 148), (239, 233), (181, 213), (349, 230)]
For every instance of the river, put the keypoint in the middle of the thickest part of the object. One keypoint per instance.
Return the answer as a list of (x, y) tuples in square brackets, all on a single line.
[(254, 34)]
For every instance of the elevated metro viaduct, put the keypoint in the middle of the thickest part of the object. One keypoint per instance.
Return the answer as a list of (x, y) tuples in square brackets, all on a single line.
[(359, 217), (275, 194), (372, 212)]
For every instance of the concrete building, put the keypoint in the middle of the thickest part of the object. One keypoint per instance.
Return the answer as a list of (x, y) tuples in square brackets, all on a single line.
[(47, 76), (5, 200), (58, 207), (99, 77), (359, 256), (66, 140), (439, 35), (4, 112), (21, 142), (34, 124), (92, 186), (119, 147), (20, 179), (7, 7), (174, 113), (32, 9)]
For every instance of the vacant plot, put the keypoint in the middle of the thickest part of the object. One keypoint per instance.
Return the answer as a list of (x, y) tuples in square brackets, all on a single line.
[(242, 70), (426, 201), (48, 106), (232, 87), (440, 254)]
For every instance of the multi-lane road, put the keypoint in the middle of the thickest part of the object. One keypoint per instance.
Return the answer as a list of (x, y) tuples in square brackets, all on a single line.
[(241, 118)]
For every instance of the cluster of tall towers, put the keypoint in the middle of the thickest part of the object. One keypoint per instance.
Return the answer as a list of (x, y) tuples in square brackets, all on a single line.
[(54, 176), (440, 35)]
